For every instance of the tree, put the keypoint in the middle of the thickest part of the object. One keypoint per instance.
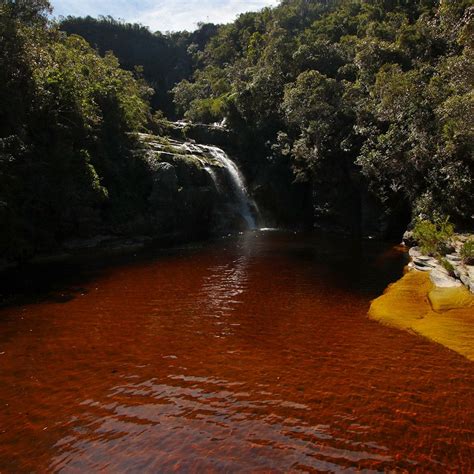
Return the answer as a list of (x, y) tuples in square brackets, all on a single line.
[(65, 113)]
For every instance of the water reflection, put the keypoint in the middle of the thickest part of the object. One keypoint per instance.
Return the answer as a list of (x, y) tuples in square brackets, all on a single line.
[(206, 423), (223, 287), (253, 353)]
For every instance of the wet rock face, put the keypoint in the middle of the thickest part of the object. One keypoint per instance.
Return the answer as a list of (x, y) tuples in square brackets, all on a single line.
[(191, 192), (164, 179), (197, 132)]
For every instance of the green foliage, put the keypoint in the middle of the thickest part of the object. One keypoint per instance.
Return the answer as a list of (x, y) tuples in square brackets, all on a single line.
[(207, 110), (368, 94), (94, 89), (205, 99), (434, 238), (467, 252), (64, 120), (165, 59)]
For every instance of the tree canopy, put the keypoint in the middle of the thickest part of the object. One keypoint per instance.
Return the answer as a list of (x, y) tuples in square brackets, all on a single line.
[(165, 59), (65, 114), (380, 88)]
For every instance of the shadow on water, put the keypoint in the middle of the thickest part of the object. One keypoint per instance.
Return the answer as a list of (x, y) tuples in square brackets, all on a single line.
[(345, 259), (62, 281), (357, 265), (249, 352)]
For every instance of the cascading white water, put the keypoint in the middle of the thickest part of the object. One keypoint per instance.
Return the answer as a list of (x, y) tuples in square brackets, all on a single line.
[(244, 202), (237, 182)]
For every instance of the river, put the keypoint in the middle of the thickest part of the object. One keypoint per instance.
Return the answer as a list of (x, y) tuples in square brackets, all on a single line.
[(251, 353)]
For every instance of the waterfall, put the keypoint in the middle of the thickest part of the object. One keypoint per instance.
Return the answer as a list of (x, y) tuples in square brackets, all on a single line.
[(244, 202), (246, 207)]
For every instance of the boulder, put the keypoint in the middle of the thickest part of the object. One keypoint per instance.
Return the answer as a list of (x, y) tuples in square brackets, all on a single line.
[(442, 279), (425, 264), (470, 277), (408, 239), (415, 252), (453, 257)]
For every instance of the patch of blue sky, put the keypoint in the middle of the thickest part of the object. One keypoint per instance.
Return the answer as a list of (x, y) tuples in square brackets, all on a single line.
[(162, 15)]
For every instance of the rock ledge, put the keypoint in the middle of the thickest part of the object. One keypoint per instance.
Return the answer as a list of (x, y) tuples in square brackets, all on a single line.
[(460, 275)]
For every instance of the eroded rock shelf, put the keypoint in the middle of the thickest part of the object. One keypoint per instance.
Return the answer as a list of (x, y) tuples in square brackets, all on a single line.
[(443, 315)]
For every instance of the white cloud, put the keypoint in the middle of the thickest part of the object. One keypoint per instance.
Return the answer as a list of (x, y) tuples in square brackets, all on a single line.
[(162, 15)]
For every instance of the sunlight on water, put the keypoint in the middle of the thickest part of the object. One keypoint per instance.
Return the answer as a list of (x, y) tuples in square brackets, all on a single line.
[(251, 353)]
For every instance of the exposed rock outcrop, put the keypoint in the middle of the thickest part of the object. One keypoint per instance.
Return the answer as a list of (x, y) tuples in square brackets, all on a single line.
[(432, 299), (192, 191), (459, 274), (444, 315), (200, 133)]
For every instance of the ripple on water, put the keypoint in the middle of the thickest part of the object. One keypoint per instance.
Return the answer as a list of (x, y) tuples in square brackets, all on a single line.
[(253, 353), (213, 422)]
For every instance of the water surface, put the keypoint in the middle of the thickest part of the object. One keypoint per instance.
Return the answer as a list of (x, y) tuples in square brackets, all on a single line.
[(249, 354)]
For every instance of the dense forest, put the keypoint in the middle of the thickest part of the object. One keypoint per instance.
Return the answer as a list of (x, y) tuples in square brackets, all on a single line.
[(164, 59), (356, 95), (64, 120), (363, 106)]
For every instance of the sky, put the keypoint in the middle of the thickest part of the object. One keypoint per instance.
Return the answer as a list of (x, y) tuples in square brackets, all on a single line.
[(162, 15)]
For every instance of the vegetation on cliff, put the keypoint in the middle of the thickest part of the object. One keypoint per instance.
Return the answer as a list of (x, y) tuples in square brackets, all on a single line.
[(165, 59), (358, 95), (64, 119), (352, 113), (434, 238)]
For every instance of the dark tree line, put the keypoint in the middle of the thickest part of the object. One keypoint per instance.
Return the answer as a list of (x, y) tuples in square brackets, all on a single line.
[(64, 120), (373, 94), (165, 59)]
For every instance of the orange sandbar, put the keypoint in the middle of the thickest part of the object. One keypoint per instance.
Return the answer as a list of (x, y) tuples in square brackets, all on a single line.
[(443, 315)]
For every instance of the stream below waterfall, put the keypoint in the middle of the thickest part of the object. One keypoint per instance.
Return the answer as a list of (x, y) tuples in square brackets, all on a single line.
[(251, 353)]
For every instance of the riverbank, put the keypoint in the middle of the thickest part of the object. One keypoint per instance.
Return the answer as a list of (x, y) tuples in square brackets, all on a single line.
[(432, 301), (97, 247), (450, 271)]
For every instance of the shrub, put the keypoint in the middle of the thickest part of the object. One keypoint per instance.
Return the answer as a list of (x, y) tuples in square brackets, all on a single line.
[(207, 110), (434, 238), (467, 252)]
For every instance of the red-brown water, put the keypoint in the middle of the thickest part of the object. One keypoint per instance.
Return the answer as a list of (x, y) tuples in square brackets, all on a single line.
[(250, 354)]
